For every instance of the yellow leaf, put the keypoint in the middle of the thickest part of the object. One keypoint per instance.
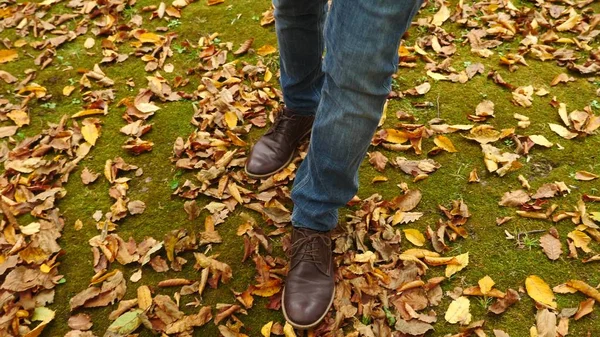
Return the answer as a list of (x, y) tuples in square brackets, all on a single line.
[(395, 136), (88, 112), (463, 260), (90, 133), (266, 50), (67, 90), (149, 37), (540, 140), (144, 297), (266, 329), (436, 76), (44, 268), (268, 75), (20, 117), (231, 119), (562, 131), (7, 55), (378, 179), (458, 311), (444, 143), (288, 330), (581, 240), (540, 291), (584, 288), (414, 236), (486, 284)]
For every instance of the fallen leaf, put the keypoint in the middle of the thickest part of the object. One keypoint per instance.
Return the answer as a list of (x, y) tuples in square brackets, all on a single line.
[(266, 50), (585, 307), (486, 284), (414, 236), (444, 143), (458, 311), (551, 246), (540, 291), (585, 175)]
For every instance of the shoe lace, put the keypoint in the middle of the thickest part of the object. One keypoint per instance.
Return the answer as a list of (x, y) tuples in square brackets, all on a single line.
[(307, 248), (279, 123)]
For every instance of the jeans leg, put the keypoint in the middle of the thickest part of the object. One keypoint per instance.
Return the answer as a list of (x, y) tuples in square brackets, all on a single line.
[(362, 38), (299, 25)]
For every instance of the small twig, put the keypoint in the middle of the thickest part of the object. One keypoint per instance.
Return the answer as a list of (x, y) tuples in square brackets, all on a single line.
[(520, 243), (437, 101)]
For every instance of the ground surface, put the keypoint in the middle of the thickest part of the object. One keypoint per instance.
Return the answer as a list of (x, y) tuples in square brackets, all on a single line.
[(490, 252)]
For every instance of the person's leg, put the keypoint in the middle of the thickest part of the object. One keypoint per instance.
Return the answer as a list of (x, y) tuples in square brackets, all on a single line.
[(299, 25), (361, 39)]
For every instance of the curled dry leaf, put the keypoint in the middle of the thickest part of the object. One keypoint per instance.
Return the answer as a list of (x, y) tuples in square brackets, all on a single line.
[(585, 175)]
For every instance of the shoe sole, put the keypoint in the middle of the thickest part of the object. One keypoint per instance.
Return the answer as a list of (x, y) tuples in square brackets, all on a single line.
[(308, 326), (266, 175)]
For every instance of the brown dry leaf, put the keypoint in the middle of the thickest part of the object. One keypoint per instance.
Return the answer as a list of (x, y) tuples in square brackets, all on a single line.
[(501, 304), (541, 140), (88, 176), (408, 201), (585, 307), (561, 78), (551, 245), (545, 323), (514, 198), (444, 143), (540, 291), (412, 327), (378, 160), (266, 50), (7, 77), (416, 167), (483, 134), (585, 175), (267, 17), (562, 131), (473, 177), (441, 16), (244, 47), (485, 109), (80, 321), (500, 333), (190, 321)]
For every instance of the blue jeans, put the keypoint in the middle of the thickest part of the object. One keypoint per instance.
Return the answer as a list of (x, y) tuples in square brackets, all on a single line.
[(346, 90)]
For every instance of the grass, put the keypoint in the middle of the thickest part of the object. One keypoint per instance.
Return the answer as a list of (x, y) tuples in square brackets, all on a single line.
[(491, 254)]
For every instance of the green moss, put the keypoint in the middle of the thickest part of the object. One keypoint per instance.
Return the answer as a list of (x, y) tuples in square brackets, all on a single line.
[(490, 253)]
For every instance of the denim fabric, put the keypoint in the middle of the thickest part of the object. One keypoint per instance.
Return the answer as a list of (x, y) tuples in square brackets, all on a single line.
[(299, 25), (348, 91)]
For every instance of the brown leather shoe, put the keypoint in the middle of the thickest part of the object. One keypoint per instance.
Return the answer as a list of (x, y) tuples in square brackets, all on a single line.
[(309, 286), (276, 148)]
